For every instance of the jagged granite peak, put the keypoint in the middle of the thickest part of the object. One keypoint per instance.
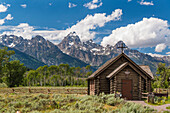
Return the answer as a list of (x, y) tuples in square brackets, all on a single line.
[(72, 40), (38, 38), (45, 51), (72, 34), (77, 52), (120, 43), (10, 40), (72, 37), (95, 54)]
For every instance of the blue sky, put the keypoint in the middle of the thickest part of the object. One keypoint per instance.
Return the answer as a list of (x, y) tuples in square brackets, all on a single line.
[(141, 24)]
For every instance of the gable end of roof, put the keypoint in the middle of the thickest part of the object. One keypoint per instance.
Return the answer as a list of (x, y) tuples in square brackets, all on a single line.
[(144, 70)]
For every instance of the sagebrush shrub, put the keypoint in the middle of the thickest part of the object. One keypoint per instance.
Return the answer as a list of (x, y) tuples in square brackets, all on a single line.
[(3, 85), (44, 96), (67, 104)]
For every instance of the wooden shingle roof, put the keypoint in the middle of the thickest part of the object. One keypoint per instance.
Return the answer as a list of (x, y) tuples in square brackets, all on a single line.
[(147, 70), (111, 61), (104, 66), (121, 67), (117, 69)]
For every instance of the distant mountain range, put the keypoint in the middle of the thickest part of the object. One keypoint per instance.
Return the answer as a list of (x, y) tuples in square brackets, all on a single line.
[(41, 49), (73, 52), (95, 54)]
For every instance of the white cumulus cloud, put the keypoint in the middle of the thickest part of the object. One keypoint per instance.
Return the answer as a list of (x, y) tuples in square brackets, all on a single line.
[(82, 28), (146, 33), (3, 8), (156, 55), (2, 21), (23, 5), (142, 2), (8, 17), (160, 47), (22, 29), (91, 22), (71, 5), (93, 4)]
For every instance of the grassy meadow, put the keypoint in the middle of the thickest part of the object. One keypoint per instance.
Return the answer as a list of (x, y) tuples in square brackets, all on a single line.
[(45, 90), (63, 100)]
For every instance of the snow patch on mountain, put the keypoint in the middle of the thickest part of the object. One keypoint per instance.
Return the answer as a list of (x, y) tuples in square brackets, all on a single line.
[(71, 43), (11, 45), (96, 49)]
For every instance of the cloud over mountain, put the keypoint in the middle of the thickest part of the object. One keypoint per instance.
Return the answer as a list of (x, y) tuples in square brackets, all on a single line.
[(149, 32), (91, 22), (160, 47), (82, 28)]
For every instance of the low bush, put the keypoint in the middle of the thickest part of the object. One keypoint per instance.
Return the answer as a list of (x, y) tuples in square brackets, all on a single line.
[(3, 85), (133, 108), (44, 96), (67, 104), (168, 107), (159, 100)]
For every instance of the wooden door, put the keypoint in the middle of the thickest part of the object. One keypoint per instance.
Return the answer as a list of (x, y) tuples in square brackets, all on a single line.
[(127, 89)]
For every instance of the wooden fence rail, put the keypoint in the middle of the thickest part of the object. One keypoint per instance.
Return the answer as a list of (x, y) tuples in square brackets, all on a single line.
[(45, 90)]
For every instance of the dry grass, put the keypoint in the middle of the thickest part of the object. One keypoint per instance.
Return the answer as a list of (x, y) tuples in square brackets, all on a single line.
[(45, 90), (109, 108)]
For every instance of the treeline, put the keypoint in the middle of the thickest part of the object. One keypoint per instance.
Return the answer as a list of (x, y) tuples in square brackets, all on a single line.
[(14, 74), (62, 75)]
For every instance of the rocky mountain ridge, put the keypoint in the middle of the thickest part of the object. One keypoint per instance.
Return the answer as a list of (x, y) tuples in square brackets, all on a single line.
[(41, 49), (76, 53), (95, 54)]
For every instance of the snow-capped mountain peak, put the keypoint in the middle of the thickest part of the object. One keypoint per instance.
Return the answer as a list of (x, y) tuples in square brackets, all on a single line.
[(10, 40)]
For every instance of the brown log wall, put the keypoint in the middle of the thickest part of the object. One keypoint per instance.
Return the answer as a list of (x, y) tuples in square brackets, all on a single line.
[(135, 81), (101, 84), (92, 86)]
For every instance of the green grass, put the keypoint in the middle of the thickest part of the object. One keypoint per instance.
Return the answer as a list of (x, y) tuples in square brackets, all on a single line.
[(64, 103), (168, 107), (168, 101), (158, 104)]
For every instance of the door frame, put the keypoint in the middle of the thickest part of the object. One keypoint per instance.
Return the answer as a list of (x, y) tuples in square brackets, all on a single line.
[(131, 86)]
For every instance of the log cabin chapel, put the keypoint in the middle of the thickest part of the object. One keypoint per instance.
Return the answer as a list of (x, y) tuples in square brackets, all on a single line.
[(121, 74)]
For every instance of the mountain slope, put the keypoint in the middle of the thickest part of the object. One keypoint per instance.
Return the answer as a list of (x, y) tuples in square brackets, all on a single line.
[(28, 61), (96, 55), (74, 52), (41, 49)]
